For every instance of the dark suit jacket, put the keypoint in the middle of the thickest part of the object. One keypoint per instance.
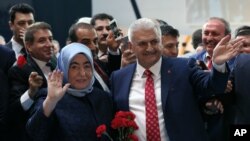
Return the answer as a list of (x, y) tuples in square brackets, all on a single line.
[(3, 104), (7, 58), (180, 78), (18, 77), (114, 63), (242, 92)]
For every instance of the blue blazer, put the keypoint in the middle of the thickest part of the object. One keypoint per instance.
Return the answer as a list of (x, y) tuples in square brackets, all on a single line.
[(202, 57), (180, 79), (7, 58), (241, 84)]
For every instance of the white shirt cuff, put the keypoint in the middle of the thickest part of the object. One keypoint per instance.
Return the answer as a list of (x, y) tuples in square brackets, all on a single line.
[(220, 68), (26, 101)]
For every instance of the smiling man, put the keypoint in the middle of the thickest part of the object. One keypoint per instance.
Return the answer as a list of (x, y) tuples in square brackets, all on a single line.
[(29, 75)]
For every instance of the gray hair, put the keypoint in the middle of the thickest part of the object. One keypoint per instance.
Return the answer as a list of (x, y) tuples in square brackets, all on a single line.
[(226, 24), (144, 23)]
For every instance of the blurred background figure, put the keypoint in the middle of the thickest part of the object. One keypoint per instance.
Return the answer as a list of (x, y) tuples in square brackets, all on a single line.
[(170, 41), (2, 40), (84, 20), (57, 48)]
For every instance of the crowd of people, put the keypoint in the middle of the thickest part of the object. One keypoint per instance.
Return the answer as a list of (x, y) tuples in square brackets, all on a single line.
[(53, 94)]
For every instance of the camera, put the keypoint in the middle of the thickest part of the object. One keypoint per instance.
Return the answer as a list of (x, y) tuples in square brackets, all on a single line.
[(114, 28)]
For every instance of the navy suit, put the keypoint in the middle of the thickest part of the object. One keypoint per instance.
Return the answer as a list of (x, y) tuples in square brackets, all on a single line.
[(242, 92), (7, 57), (180, 79)]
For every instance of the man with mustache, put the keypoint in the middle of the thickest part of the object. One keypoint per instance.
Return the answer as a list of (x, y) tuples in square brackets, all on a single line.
[(108, 46)]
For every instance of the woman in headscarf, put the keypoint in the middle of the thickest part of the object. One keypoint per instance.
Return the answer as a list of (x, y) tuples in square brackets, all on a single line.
[(71, 108)]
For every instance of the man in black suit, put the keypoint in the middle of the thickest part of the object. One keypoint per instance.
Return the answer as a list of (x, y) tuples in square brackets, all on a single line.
[(107, 44), (29, 75), (21, 16)]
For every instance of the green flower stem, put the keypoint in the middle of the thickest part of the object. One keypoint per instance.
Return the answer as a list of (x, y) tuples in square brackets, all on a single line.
[(105, 133)]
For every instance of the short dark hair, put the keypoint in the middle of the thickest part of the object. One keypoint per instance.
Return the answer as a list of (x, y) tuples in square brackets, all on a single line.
[(169, 30), (197, 38), (20, 7), (242, 31), (72, 30), (226, 23), (161, 22), (33, 28), (100, 16)]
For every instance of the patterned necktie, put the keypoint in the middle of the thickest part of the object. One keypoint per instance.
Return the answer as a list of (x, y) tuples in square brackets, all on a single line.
[(152, 121), (209, 63)]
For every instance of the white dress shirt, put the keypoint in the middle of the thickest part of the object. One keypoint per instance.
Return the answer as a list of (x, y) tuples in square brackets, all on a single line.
[(137, 100), (16, 47)]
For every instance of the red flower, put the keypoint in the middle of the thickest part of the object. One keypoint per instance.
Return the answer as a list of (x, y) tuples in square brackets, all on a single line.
[(21, 61), (125, 125), (127, 115), (100, 130), (133, 137)]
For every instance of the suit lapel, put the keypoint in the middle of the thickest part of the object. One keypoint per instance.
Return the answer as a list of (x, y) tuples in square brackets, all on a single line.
[(37, 69), (129, 78), (9, 45), (166, 72), (123, 85)]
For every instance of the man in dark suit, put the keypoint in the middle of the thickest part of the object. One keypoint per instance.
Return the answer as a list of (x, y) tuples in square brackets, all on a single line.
[(21, 16), (29, 75), (86, 34), (175, 82), (107, 45), (7, 59), (241, 81)]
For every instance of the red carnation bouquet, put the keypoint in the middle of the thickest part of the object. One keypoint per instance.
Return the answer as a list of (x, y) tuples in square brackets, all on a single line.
[(21, 61), (124, 124)]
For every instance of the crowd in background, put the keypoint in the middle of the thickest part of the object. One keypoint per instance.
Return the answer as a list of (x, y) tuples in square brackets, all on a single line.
[(50, 92)]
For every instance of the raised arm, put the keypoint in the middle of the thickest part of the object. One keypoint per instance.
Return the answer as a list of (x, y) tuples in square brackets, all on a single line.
[(55, 91)]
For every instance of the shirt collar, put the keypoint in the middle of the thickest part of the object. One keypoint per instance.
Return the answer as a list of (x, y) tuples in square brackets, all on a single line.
[(41, 64), (154, 69), (16, 46)]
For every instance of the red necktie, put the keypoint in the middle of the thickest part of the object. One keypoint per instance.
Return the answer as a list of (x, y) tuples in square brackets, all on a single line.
[(103, 75), (209, 63), (152, 122)]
